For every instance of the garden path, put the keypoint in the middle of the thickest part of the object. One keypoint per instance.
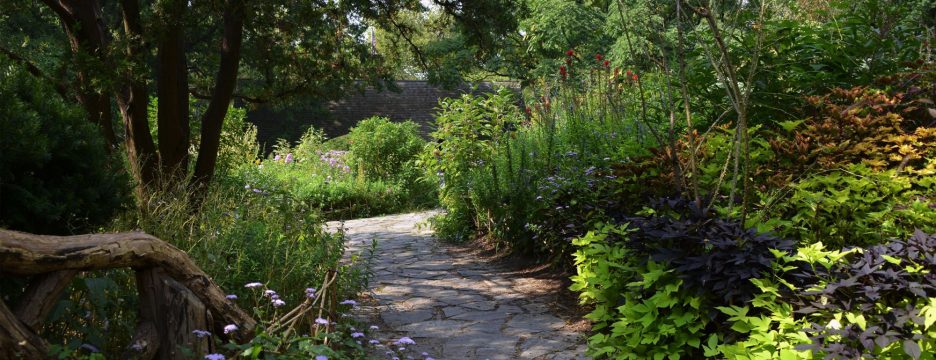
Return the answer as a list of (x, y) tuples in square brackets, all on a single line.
[(453, 304)]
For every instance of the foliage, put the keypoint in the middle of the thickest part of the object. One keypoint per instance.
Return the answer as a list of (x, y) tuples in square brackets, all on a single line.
[(712, 256), (381, 149), (641, 309), (56, 174), (883, 130), (877, 302), (344, 184), (855, 206), (467, 131)]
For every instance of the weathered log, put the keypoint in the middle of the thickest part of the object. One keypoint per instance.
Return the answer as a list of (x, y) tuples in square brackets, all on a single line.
[(145, 343), (28, 254), (16, 340), (175, 311), (41, 296)]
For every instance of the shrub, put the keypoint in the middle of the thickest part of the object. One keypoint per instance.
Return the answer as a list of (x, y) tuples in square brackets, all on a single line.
[(876, 302), (855, 207), (381, 148), (56, 175)]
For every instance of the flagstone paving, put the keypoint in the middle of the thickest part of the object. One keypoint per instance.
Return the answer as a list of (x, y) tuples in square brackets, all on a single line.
[(453, 304)]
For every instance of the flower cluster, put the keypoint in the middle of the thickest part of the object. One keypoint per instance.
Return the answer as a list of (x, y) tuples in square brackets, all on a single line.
[(286, 159), (335, 159)]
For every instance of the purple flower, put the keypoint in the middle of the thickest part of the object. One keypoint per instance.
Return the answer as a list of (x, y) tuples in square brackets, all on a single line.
[(405, 341), (357, 335), (201, 333), (374, 342), (289, 158), (321, 357), (230, 328), (278, 303), (269, 292), (253, 285), (214, 357), (257, 191), (310, 292), (276, 158), (231, 297), (321, 321), (349, 302), (425, 353)]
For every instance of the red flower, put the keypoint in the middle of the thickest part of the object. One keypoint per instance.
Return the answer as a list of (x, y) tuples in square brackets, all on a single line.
[(570, 52), (634, 77), (607, 63), (629, 73), (598, 57), (563, 72)]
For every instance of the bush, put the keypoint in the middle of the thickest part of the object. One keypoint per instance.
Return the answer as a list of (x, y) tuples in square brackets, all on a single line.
[(855, 207), (381, 148), (56, 175), (675, 283)]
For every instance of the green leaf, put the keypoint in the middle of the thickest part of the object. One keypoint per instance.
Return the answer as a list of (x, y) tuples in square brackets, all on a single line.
[(891, 259)]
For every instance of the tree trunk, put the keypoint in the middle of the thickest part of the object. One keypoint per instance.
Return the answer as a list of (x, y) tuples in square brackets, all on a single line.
[(133, 99), (28, 254), (225, 82), (84, 27), (172, 82)]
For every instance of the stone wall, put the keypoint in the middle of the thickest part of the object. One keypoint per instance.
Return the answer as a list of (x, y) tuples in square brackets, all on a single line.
[(416, 100)]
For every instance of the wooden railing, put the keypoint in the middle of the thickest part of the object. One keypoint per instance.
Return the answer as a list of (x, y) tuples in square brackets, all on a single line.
[(176, 296)]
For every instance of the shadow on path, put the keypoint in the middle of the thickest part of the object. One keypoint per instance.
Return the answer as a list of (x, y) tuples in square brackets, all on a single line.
[(453, 305)]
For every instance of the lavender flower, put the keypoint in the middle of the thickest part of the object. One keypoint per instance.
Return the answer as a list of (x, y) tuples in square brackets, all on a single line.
[(321, 357), (276, 158), (269, 292), (214, 357), (349, 302), (372, 342), (310, 292), (201, 333), (289, 158), (374, 327), (321, 321), (253, 285), (231, 297), (230, 328), (278, 303), (405, 341)]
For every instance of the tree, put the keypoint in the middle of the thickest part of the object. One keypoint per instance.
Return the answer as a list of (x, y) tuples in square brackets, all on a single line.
[(132, 50)]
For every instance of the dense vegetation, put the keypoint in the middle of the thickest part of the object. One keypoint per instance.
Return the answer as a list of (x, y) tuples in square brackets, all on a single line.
[(727, 179), (747, 180)]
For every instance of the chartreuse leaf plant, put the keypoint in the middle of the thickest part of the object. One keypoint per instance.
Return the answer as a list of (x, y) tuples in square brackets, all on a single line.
[(658, 286)]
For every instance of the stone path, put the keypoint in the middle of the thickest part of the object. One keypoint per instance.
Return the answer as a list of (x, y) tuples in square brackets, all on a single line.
[(453, 305)]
